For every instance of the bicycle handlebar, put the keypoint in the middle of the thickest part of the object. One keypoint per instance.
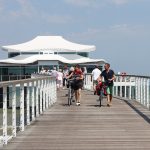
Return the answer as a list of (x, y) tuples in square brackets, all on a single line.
[(73, 77)]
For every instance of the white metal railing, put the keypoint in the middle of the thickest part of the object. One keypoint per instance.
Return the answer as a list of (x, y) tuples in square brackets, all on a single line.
[(129, 87), (22, 101), (13, 77)]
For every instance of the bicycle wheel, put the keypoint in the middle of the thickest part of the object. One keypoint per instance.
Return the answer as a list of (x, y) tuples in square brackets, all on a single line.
[(69, 96), (100, 99), (72, 95)]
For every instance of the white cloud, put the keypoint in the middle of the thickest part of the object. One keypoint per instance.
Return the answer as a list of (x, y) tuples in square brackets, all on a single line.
[(2, 6), (123, 2), (56, 19), (119, 27), (22, 9), (83, 3), (100, 3), (113, 32), (119, 2), (25, 9)]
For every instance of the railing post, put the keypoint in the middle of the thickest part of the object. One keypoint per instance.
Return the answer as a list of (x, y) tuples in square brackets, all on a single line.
[(130, 87), (148, 92), (5, 139), (33, 102), (43, 86), (136, 88), (37, 98), (41, 97), (28, 103), (117, 86), (139, 89), (22, 107), (86, 81), (55, 91), (49, 98), (144, 92), (125, 87), (46, 92), (43, 89), (141, 92), (14, 110), (52, 89), (51, 94), (113, 90), (121, 86)]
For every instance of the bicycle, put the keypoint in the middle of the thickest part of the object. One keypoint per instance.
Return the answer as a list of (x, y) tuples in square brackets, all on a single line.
[(70, 86), (70, 91), (101, 91)]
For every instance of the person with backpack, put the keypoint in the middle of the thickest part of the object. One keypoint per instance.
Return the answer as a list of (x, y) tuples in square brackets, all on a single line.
[(109, 77), (78, 83)]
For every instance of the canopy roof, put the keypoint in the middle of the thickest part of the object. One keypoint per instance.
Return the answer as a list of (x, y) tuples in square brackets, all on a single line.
[(49, 43), (68, 58)]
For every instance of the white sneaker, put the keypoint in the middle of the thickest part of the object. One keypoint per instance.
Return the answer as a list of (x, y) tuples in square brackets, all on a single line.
[(78, 104)]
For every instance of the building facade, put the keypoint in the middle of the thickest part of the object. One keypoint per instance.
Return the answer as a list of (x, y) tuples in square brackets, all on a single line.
[(45, 52)]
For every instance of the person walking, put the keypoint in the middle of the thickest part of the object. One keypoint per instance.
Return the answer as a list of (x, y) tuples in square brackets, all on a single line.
[(65, 74), (95, 74), (109, 77), (59, 79), (78, 84)]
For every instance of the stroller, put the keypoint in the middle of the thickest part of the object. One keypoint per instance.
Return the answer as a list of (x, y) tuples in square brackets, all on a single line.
[(101, 91)]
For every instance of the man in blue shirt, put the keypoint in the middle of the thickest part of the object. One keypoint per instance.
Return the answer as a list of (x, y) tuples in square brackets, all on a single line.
[(109, 77)]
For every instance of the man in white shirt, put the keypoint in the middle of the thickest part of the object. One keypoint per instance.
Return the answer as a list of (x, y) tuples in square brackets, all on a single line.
[(95, 74), (54, 72)]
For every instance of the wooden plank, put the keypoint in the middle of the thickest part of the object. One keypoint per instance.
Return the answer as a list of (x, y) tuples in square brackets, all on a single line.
[(87, 127)]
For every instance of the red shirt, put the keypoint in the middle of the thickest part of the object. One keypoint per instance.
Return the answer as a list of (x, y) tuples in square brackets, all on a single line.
[(78, 72)]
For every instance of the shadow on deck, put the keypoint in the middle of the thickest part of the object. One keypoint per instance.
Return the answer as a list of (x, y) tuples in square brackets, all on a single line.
[(123, 126)]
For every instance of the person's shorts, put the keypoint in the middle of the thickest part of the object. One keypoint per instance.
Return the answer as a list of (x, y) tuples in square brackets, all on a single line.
[(78, 84), (109, 90)]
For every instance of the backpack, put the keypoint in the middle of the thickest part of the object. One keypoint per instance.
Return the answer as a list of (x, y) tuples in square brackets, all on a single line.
[(101, 87)]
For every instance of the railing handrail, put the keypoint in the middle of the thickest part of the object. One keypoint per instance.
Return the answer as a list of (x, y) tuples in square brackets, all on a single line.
[(127, 75), (35, 96), (133, 87), (13, 77), (6, 83)]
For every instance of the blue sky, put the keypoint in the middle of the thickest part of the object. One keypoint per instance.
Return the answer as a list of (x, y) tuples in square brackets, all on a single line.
[(120, 29)]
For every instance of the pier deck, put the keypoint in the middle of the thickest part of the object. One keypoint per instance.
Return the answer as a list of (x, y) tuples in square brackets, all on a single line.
[(124, 126)]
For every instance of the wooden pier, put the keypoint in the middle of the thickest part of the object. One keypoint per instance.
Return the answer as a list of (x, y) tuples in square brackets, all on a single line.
[(123, 126)]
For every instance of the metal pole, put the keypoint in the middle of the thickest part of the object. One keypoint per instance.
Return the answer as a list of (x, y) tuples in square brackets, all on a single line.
[(37, 98), (33, 102), (41, 98), (14, 110), (5, 139), (22, 107), (28, 103)]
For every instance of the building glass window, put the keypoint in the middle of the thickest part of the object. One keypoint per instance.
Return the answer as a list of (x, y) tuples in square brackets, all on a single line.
[(84, 54), (13, 54)]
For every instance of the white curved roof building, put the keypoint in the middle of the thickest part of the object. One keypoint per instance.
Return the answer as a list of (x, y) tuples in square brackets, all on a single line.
[(49, 43), (48, 51)]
